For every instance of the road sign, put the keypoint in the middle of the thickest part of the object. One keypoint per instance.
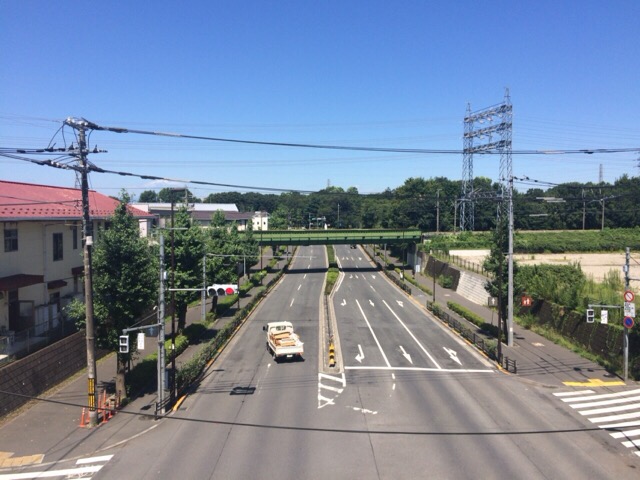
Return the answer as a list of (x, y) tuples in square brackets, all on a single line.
[(629, 296), (604, 316), (628, 322), (526, 300), (629, 309)]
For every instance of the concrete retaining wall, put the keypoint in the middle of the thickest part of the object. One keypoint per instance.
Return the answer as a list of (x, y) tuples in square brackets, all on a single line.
[(42, 370)]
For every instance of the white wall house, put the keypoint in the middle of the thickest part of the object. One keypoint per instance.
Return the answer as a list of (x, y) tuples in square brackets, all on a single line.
[(41, 255)]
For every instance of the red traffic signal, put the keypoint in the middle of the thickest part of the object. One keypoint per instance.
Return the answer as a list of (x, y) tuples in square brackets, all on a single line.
[(222, 290)]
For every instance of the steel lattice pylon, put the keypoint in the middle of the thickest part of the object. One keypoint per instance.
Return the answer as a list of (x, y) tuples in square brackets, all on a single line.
[(493, 121)]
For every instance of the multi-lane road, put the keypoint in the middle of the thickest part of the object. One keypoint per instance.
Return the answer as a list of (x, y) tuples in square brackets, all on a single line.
[(410, 400)]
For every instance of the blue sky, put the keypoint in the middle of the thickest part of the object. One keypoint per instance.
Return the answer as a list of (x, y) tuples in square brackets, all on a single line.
[(377, 73)]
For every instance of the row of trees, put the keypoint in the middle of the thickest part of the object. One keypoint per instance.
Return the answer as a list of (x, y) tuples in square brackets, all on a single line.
[(126, 276), (434, 205)]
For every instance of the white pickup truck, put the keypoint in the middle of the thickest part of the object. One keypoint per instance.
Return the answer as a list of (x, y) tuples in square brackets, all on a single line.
[(282, 342)]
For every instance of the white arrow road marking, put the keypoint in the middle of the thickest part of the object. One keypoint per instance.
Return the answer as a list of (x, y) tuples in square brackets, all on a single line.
[(453, 354), (412, 336), (371, 303), (344, 302), (400, 303), (386, 360), (373, 277), (406, 355), (360, 355)]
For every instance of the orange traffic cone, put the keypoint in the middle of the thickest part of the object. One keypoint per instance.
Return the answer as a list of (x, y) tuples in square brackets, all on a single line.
[(82, 420)]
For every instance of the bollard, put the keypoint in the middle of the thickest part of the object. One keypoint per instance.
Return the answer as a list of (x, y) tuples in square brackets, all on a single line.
[(332, 355)]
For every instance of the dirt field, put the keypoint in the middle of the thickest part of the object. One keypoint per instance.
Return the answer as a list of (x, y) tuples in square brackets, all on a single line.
[(592, 264)]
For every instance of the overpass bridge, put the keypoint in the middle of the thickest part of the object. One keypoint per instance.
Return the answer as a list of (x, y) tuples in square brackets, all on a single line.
[(337, 237)]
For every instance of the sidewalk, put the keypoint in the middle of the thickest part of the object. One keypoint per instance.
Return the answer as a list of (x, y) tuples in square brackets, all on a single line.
[(50, 430), (537, 359)]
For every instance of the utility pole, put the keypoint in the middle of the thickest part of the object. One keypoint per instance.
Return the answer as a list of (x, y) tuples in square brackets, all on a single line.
[(87, 232), (627, 279), (161, 351), (173, 310), (510, 287), (438, 211)]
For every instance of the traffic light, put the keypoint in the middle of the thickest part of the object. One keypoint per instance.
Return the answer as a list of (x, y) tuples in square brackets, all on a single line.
[(124, 344), (222, 290), (590, 315)]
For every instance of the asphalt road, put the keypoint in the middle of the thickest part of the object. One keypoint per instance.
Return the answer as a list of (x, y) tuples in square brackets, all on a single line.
[(413, 401)]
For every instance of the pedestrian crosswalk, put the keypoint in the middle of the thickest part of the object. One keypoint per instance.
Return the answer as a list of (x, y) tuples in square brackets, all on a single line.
[(84, 468), (617, 412)]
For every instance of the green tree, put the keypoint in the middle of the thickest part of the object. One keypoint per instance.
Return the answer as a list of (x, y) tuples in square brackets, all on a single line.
[(188, 250), (497, 265), (148, 196), (125, 281), (177, 196)]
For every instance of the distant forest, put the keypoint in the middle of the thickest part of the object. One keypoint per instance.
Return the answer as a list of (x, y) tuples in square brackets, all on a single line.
[(434, 205)]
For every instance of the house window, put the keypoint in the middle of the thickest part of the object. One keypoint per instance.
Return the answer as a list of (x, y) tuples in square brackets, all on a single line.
[(57, 247), (11, 239), (74, 235)]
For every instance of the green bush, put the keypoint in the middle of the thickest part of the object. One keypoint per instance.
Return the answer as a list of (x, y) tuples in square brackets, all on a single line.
[(473, 318)]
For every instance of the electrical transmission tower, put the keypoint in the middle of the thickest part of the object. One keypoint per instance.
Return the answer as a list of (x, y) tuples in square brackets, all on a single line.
[(480, 128)]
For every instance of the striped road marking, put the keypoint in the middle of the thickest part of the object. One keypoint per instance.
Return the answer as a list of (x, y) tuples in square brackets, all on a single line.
[(329, 388), (85, 468), (620, 410)]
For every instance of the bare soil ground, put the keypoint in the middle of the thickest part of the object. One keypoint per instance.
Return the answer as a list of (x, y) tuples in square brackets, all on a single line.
[(596, 265)]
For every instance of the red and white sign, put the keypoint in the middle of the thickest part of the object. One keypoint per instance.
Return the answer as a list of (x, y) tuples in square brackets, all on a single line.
[(629, 296)]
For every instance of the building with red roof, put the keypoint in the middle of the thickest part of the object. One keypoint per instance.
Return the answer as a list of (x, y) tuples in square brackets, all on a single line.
[(41, 259)]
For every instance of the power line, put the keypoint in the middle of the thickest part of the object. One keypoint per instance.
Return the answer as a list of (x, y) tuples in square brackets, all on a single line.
[(588, 151)]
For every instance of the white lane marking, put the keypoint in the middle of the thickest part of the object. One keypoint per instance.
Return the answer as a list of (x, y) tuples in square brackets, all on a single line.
[(611, 403), (342, 379), (67, 472), (374, 335), (291, 304), (373, 277), (597, 411), (412, 335), (453, 354), (299, 286), (599, 397), (360, 355), (573, 394), (84, 461), (406, 355), (626, 433), (305, 276), (634, 423), (615, 418), (420, 369), (363, 410)]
